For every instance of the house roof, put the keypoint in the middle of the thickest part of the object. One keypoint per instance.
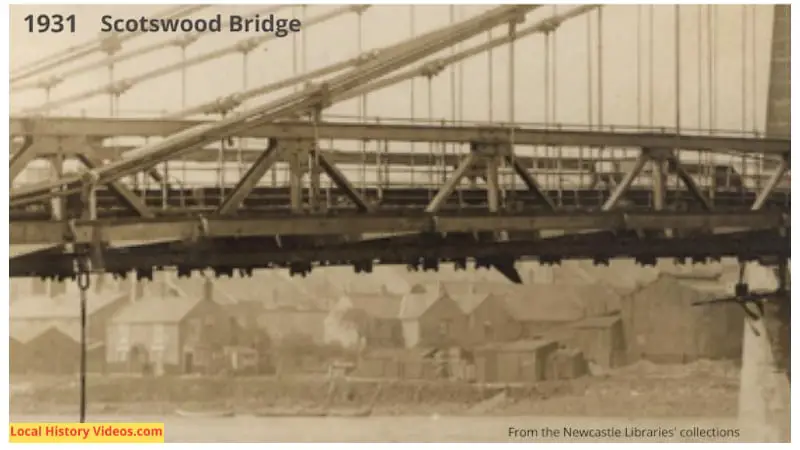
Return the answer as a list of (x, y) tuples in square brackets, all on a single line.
[(272, 288), (156, 310), (379, 306), (419, 299), (64, 306), (24, 333), (521, 345), (560, 302), (598, 322)]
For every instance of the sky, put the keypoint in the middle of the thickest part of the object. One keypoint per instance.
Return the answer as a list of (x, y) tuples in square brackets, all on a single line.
[(638, 85)]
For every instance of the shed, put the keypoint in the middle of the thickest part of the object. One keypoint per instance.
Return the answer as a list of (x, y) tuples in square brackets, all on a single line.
[(601, 339), (514, 362)]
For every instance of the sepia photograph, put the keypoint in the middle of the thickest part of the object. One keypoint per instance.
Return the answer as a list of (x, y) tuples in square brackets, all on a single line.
[(322, 223)]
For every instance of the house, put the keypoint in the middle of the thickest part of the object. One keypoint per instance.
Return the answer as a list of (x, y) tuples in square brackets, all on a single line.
[(542, 309), (431, 318), (513, 362), (370, 320), (54, 350), (170, 334), (37, 313), (601, 339), (488, 318), (663, 325)]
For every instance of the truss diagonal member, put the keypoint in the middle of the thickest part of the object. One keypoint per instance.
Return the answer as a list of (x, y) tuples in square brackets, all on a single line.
[(530, 181), (450, 185), (773, 181), (21, 158), (341, 180), (626, 182), (291, 105), (254, 174), (132, 200), (675, 165)]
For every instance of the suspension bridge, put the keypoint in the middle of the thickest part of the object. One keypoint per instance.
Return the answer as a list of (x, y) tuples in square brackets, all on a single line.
[(430, 134), (273, 176)]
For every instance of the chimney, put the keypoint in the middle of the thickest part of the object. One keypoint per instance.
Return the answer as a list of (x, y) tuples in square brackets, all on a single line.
[(99, 283), (39, 286), (138, 288), (57, 288), (208, 289), (545, 274)]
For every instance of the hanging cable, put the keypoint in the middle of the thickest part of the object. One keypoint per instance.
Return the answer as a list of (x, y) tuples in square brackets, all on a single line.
[(651, 72), (547, 150), (589, 90), (412, 33), (678, 93), (452, 11), (600, 84), (242, 143), (362, 107), (431, 157), (512, 31), (744, 66), (638, 65), (753, 64), (557, 151), (184, 161), (700, 67), (490, 66), (712, 100), (678, 69)]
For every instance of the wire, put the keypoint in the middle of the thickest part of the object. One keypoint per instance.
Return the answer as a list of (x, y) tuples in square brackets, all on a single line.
[(412, 34), (678, 69), (651, 73), (700, 67), (490, 65)]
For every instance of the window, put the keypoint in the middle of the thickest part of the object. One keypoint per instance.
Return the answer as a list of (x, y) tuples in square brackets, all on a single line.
[(488, 331), (158, 337), (444, 327)]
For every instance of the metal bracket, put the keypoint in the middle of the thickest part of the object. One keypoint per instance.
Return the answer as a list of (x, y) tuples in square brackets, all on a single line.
[(119, 87)]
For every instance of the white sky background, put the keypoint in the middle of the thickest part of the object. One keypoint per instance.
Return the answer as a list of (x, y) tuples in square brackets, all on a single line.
[(337, 40)]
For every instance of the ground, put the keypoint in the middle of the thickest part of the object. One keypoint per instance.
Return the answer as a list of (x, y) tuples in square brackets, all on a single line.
[(701, 389)]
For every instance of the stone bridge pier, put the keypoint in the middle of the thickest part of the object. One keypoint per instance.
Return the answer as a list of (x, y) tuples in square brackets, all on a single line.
[(764, 391)]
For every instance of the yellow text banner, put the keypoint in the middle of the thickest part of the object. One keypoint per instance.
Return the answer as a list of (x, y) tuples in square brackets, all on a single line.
[(109, 433)]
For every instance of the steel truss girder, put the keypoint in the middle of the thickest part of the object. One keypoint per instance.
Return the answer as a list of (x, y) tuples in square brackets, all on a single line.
[(120, 231), (309, 100), (132, 200), (104, 127), (658, 157), (773, 181), (251, 178), (263, 253), (487, 157)]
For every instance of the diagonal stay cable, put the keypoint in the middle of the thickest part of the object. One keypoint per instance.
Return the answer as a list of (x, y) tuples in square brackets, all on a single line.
[(199, 59), (311, 99), (83, 50), (120, 57)]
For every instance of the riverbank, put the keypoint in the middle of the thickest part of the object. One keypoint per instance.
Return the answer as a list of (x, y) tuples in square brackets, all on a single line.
[(698, 390)]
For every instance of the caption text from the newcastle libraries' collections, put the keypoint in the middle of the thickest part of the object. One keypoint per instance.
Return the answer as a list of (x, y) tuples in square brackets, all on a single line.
[(632, 432)]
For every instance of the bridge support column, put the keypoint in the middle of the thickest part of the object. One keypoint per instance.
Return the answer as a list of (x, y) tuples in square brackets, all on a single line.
[(764, 390), (58, 203)]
